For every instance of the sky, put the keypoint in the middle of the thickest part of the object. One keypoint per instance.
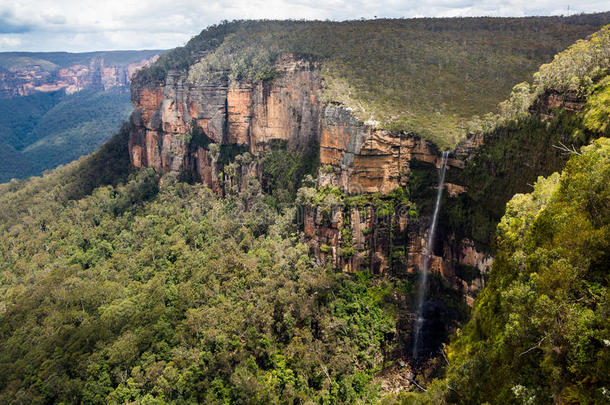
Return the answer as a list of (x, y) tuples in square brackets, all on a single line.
[(84, 25)]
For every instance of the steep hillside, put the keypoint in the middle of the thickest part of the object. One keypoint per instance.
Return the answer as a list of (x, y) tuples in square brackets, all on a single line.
[(45, 130), (540, 330), (564, 108)]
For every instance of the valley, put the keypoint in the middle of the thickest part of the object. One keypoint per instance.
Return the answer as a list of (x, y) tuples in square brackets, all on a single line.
[(273, 223), (58, 106)]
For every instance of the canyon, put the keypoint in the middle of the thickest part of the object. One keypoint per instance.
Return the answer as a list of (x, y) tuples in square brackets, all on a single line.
[(285, 218), (58, 106)]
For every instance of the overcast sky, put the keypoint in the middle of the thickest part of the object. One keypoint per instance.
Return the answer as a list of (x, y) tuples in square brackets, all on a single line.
[(84, 25)]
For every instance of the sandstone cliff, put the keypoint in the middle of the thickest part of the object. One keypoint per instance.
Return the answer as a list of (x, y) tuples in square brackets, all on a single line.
[(362, 159), (167, 118), (175, 122)]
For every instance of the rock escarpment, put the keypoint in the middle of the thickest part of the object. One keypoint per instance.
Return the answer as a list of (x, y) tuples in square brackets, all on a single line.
[(361, 158), (175, 122), (179, 125)]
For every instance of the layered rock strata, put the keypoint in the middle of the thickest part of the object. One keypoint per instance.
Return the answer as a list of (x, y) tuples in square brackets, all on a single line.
[(176, 122)]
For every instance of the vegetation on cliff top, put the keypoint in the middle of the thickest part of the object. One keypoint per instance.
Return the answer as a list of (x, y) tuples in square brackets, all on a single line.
[(420, 75), (575, 73)]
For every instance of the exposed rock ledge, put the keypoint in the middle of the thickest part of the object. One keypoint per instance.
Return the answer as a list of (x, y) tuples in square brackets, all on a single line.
[(288, 107), (355, 157)]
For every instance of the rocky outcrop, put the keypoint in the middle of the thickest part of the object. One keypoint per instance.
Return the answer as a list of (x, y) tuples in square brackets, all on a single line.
[(364, 159), (372, 238), (289, 108), (554, 100), (175, 123), (94, 75)]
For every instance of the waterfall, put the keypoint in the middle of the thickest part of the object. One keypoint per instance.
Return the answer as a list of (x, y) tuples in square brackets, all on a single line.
[(423, 276)]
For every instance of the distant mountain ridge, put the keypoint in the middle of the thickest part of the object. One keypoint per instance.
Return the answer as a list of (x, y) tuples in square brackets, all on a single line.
[(57, 106), (25, 73)]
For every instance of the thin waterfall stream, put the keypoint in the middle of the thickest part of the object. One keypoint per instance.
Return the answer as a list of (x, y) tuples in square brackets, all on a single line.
[(423, 275)]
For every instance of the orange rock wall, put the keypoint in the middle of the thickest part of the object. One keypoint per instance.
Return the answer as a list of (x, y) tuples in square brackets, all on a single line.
[(227, 112), (288, 108), (356, 158)]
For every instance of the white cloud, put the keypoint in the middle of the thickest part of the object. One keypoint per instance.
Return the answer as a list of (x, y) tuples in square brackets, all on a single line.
[(84, 25), (9, 41)]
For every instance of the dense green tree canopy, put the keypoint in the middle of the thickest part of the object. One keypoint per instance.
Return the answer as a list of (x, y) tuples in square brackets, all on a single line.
[(41, 131), (540, 332), (160, 291)]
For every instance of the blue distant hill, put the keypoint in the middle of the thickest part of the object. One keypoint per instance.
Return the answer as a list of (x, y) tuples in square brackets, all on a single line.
[(57, 106)]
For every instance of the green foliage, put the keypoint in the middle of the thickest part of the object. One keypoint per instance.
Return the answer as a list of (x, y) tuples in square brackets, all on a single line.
[(183, 57), (511, 158), (20, 115), (108, 166), (419, 75), (597, 110), (163, 292), (282, 170), (578, 67), (422, 184), (42, 131), (576, 72), (539, 332), (346, 252), (434, 395), (227, 152)]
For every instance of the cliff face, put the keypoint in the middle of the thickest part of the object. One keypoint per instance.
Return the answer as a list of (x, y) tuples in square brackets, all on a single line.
[(365, 159), (96, 74), (174, 124), (169, 119), (361, 159)]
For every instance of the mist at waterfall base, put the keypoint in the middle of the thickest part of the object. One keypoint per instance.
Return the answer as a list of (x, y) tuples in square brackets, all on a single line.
[(421, 313)]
